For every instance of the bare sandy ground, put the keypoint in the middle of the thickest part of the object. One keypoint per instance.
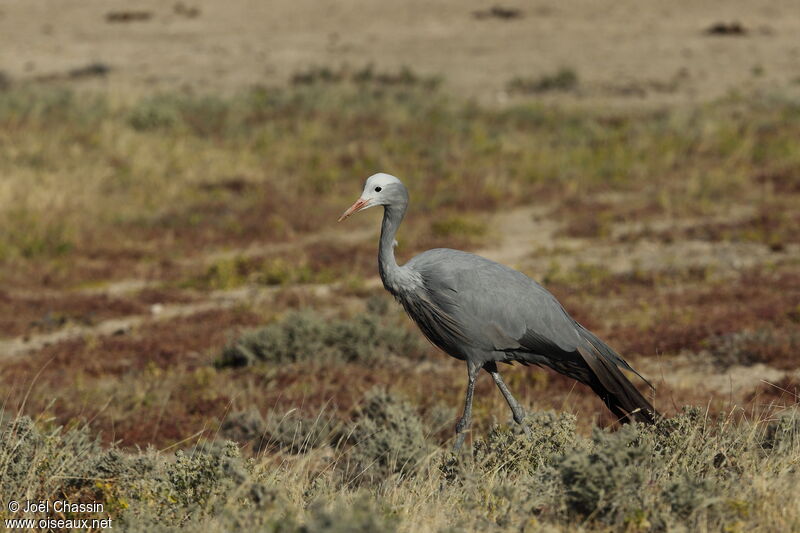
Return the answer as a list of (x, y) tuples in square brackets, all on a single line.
[(623, 52)]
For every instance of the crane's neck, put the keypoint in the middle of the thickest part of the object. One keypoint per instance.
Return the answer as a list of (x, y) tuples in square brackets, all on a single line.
[(395, 277)]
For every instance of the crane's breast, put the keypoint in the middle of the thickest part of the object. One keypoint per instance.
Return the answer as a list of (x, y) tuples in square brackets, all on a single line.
[(438, 326)]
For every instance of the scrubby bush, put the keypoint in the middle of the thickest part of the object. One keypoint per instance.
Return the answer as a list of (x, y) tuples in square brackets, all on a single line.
[(358, 516), (366, 76), (388, 440), (34, 463), (306, 335), (688, 471), (136, 488), (507, 448), (155, 113), (291, 431), (691, 472), (610, 477), (299, 434), (246, 427), (684, 473), (782, 435), (201, 115), (195, 477)]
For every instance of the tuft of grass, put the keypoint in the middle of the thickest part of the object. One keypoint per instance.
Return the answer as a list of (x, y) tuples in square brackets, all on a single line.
[(564, 79), (602, 481), (362, 515), (40, 238), (199, 115), (458, 226), (232, 272), (291, 432)]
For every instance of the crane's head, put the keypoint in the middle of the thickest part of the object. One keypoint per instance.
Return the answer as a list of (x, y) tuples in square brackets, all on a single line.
[(380, 189)]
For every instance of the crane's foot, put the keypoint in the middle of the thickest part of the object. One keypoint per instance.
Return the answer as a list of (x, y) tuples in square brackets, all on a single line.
[(519, 418)]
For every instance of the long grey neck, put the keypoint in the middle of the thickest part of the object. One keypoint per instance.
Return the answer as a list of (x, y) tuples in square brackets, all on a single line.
[(394, 277)]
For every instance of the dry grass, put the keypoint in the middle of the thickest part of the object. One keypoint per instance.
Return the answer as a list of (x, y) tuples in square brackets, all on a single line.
[(380, 472), (198, 198), (97, 188)]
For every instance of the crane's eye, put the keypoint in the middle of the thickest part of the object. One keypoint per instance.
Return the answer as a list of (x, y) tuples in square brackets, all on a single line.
[(377, 189)]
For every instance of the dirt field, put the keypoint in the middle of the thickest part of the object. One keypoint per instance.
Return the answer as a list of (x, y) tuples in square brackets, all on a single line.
[(624, 53)]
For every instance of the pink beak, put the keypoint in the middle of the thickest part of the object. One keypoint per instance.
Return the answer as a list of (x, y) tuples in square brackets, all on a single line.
[(356, 207)]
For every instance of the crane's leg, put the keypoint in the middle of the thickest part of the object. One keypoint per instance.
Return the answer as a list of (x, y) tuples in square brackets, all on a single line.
[(463, 422), (516, 408)]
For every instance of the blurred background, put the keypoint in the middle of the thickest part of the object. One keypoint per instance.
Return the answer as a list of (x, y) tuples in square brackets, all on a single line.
[(171, 173)]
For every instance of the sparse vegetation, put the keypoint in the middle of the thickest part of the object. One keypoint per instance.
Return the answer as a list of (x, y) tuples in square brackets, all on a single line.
[(157, 190), (458, 226), (366, 76), (202, 224), (565, 79), (692, 472), (389, 441), (764, 345)]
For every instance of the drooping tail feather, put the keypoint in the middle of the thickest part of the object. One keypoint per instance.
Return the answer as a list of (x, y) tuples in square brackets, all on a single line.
[(618, 393), (608, 352)]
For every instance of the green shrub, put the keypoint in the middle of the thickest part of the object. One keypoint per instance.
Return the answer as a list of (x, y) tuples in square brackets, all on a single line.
[(44, 106), (366, 76), (195, 477), (210, 485), (359, 516), (609, 478), (458, 226), (44, 237), (203, 116), (659, 477), (299, 434), (305, 335), (762, 345)]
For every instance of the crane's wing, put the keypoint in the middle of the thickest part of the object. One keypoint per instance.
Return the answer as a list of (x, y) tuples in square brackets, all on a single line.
[(500, 308)]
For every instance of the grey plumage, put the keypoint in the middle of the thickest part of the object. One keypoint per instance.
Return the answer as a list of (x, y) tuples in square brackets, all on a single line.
[(483, 312)]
